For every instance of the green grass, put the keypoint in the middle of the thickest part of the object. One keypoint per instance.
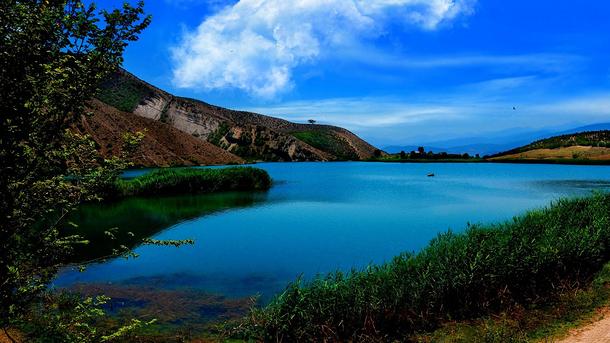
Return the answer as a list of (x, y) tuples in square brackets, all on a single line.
[(529, 261), (123, 92), (194, 181), (327, 141)]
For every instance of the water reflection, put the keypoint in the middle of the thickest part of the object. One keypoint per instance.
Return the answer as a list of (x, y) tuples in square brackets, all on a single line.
[(131, 220)]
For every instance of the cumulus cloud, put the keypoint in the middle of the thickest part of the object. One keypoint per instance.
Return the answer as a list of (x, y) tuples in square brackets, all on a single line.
[(255, 45)]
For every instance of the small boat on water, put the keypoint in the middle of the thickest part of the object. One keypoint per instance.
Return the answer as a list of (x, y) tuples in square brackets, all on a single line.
[(430, 174)]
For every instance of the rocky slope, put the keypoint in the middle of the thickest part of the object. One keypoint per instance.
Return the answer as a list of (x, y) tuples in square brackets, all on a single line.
[(248, 135), (162, 145)]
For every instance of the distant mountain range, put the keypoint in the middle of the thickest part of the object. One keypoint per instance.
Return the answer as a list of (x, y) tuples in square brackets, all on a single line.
[(182, 131), (494, 143)]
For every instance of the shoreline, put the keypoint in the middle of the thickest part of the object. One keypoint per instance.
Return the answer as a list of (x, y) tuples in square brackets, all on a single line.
[(540, 162)]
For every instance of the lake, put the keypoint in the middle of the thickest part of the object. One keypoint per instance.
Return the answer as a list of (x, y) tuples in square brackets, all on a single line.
[(317, 218)]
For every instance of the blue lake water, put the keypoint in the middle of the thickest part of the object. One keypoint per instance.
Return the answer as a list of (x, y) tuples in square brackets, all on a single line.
[(320, 217)]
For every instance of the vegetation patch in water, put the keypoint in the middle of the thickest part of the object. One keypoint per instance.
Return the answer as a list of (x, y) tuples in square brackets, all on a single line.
[(529, 261), (194, 181)]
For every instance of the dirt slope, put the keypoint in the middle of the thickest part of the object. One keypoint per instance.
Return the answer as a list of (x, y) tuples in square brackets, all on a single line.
[(163, 145)]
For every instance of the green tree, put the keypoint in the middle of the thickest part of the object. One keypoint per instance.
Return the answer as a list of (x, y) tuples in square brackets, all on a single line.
[(53, 56)]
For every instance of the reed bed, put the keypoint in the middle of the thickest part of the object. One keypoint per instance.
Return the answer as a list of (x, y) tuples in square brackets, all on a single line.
[(180, 181), (458, 276)]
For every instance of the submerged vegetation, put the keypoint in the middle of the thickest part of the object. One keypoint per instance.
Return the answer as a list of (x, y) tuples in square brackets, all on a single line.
[(485, 270), (194, 181)]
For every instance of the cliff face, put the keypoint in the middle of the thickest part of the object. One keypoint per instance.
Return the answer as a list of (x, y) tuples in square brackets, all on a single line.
[(162, 146), (250, 136)]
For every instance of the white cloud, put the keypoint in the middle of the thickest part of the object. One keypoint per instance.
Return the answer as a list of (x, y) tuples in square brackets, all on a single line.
[(595, 106), (255, 45), (362, 113), (466, 112)]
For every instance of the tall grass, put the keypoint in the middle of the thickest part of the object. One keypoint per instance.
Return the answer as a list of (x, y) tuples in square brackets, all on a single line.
[(458, 276), (194, 181)]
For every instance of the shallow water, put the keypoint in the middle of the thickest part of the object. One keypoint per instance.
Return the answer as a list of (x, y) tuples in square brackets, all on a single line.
[(318, 217)]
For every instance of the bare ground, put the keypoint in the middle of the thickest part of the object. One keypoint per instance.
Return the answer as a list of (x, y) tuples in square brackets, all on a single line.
[(596, 332)]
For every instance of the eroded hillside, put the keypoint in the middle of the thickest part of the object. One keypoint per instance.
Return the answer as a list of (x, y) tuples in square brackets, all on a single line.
[(251, 136), (162, 146)]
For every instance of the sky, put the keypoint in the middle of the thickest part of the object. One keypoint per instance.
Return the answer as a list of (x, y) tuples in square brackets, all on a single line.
[(392, 71)]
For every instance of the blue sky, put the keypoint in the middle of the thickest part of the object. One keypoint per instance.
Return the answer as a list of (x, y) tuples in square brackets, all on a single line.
[(392, 71)]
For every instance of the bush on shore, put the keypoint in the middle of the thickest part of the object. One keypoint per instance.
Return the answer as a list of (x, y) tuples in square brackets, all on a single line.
[(486, 269), (194, 181)]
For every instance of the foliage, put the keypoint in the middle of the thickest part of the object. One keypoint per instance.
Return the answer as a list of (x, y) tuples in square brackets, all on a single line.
[(484, 270), (194, 181), (66, 317), (54, 55), (218, 134), (326, 140)]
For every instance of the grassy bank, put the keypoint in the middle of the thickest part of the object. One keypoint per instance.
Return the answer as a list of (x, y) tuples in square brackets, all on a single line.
[(182, 181), (571, 308), (529, 261)]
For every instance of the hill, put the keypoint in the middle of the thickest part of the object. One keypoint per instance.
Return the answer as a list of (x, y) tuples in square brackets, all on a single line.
[(575, 147), (162, 146), (251, 136), (493, 143)]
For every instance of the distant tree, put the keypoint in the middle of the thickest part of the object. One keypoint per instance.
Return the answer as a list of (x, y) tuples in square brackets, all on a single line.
[(421, 150), (311, 121), (477, 156), (403, 155), (412, 154), (377, 153), (466, 155)]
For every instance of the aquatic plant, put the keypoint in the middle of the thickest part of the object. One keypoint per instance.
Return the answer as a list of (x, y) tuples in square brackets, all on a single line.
[(482, 271), (194, 181)]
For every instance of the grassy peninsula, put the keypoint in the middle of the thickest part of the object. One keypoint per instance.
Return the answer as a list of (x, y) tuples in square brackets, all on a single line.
[(530, 261), (177, 181)]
